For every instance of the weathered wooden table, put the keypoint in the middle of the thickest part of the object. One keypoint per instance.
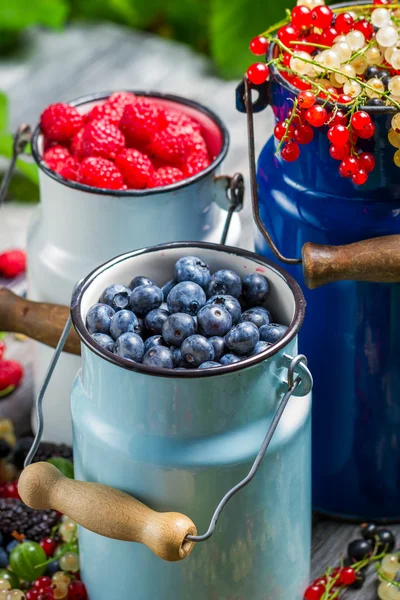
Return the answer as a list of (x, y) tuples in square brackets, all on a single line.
[(55, 67)]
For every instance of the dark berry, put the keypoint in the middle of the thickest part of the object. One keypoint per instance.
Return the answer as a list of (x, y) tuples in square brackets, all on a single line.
[(368, 531), (122, 322), (229, 359), (386, 540), (370, 72), (33, 524), (140, 280), (255, 289), (155, 319), (154, 340), (260, 347), (196, 350), (130, 345), (167, 287), (186, 297), (243, 338), (230, 303), (117, 296), (191, 268), (209, 364), (104, 340), (159, 356), (272, 333), (257, 315), (359, 549), (218, 344), (98, 319), (213, 320), (177, 328), (225, 282)]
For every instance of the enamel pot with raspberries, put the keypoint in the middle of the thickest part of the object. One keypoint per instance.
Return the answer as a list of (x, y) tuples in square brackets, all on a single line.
[(190, 383), (119, 171), (329, 176)]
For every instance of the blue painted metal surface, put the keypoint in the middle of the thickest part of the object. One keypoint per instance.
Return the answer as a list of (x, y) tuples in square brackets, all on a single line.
[(180, 444), (351, 333)]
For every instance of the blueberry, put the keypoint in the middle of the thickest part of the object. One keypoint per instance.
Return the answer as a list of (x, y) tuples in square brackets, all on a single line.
[(98, 319), (130, 345), (167, 287), (159, 356), (255, 289), (155, 319), (214, 320), (225, 282), (191, 268), (145, 298), (386, 540), (104, 340), (140, 280), (272, 333), (230, 304), (209, 364), (3, 559), (229, 359), (11, 545), (117, 296), (186, 297), (154, 340), (243, 338), (52, 568), (141, 328), (122, 322), (177, 328), (257, 315), (196, 349), (179, 361), (218, 343), (359, 549), (260, 347)]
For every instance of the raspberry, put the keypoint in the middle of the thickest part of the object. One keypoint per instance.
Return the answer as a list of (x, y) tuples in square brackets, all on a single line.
[(102, 138), (135, 167), (55, 157), (196, 163), (2, 349), (11, 373), (70, 169), (76, 145), (60, 122), (174, 117), (121, 99), (101, 173), (174, 144), (141, 121), (166, 176), (112, 109), (12, 263)]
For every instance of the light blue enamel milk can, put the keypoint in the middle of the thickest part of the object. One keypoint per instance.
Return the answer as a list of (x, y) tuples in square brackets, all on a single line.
[(188, 441)]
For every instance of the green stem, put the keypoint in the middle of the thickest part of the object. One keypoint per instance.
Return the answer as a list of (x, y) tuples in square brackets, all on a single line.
[(359, 52), (286, 137), (313, 44)]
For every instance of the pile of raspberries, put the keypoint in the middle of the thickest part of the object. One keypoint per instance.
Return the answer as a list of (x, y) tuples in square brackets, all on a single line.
[(127, 142)]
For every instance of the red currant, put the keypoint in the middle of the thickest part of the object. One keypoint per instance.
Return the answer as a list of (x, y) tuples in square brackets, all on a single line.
[(32, 594), (303, 134), (300, 84), (322, 16), (344, 23), (314, 592), (328, 36), (360, 177), (290, 152), (348, 166), (259, 45), (258, 73), (301, 17), (281, 130), (340, 118), (360, 120), (286, 59), (42, 582), (339, 152), (344, 99), (10, 490), (2, 349), (46, 594), (338, 135), (365, 27), (49, 545), (367, 161), (320, 581), (317, 116), (306, 99), (288, 34), (347, 575), (77, 591), (368, 132)]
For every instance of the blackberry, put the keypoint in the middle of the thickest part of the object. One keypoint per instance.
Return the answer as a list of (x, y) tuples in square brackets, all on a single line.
[(45, 451), (33, 524)]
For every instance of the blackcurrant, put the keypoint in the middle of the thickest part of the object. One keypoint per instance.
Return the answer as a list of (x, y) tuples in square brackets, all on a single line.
[(368, 531), (375, 102), (385, 80), (371, 71), (382, 73), (386, 540), (360, 549)]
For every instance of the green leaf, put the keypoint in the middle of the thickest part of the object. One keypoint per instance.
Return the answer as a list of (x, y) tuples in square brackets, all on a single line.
[(15, 15), (64, 465), (3, 112), (233, 24), (30, 170), (189, 21), (136, 13)]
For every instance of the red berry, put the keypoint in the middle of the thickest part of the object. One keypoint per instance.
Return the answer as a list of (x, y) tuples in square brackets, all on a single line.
[(339, 152), (102, 138), (60, 122), (46, 594), (348, 166), (166, 176), (136, 168), (174, 117), (286, 59), (259, 45), (32, 594), (300, 84), (321, 16), (314, 592), (42, 582), (112, 109), (317, 116), (70, 170), (367, 161), (344, 99), (55, 157), (2, 349), (49, 545), (288, 34), (10, 489), (328, 36), (360, 177), (347, 576), (360, 120), (100, 173), (320, 581), (306, 99), (366, 28), (338, 135), (141, 121), (301, 17), (77, 591), (290, 152), (12, 263), (174, 144), (340, 118), (367, 132), (258, 73), (76, 145), (11, 374), (303, 134), (195, 163), (280, 130), (344, 23)]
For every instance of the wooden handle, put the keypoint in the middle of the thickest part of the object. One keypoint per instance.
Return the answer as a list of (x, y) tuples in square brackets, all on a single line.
[(377, 260), (37, 320), (107, 511)]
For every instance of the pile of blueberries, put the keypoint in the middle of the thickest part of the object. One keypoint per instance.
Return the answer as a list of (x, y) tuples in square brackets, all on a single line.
[(196, 320)]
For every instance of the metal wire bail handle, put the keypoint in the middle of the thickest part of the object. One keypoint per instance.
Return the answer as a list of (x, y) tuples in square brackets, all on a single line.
[(235, 194), (22, 137), (291, 385)]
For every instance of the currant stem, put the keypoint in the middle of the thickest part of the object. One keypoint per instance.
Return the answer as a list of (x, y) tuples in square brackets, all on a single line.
[(313, 44), (286, 137)]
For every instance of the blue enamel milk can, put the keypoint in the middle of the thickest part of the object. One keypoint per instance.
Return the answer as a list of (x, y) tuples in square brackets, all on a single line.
[(188, 441), (352, 331)]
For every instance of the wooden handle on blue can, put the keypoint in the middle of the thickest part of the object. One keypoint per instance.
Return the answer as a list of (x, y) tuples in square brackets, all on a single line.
[(375, 260), (107, 511)]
